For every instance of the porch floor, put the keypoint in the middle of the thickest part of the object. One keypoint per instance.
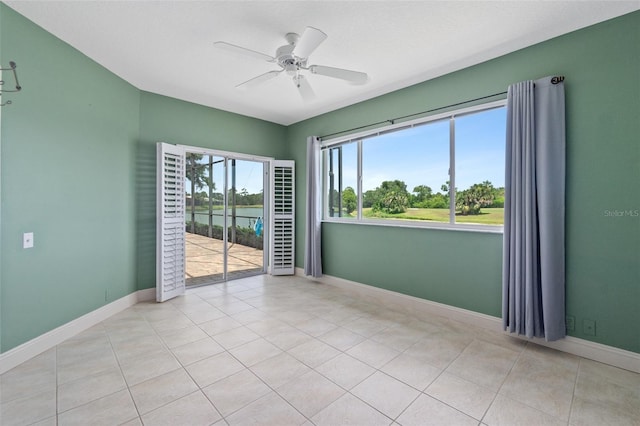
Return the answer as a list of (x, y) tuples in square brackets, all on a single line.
[(205, 260)]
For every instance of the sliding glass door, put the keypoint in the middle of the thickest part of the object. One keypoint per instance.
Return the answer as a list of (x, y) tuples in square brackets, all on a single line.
[(225, 217), (245, 218)]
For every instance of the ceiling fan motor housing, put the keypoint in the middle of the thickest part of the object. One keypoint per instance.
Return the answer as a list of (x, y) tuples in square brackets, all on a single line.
[(285, 57)]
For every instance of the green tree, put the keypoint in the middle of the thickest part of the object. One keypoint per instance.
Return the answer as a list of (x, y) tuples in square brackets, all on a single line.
[(196, 171), (242, 198), (422, 193), (255, 199), (437, 201), (470, 201), (393, 197), (349, 199), (217, 198), (369, 198), (201, 198), (498, 197)]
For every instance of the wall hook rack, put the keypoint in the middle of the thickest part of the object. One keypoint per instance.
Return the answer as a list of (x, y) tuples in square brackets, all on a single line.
[(12, 67)]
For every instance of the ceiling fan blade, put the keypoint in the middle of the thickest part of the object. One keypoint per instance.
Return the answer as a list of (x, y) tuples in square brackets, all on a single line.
[(255, 81), (243, 51), (354, 77), (304, 88), (308, 42)]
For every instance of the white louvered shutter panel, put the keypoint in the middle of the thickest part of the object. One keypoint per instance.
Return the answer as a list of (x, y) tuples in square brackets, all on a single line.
[(170, 257), (282, 217)]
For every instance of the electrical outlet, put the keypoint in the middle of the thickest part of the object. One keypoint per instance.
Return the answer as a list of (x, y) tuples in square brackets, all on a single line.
[(589, 327), (570, 322)]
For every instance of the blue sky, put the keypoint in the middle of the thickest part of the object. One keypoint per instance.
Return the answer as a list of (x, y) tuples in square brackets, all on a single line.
[(417, 156), (420, 155), (249, 175)]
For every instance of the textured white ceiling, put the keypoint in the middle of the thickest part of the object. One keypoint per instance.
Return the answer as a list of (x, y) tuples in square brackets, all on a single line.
[(166, 47)]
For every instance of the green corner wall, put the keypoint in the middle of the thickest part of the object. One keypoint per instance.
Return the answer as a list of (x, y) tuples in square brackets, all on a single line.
[(77, 168), (1, 101), (602, 68), (67, 158)]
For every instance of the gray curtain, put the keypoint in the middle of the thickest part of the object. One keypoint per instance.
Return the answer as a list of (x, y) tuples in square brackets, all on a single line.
[(313, 241), (533, 268)]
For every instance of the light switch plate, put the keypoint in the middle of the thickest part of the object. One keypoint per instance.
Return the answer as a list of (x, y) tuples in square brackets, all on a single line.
[(27, 240)]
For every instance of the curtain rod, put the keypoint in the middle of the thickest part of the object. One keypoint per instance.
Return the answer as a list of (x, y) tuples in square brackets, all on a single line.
[(393, 120), (554, 80)]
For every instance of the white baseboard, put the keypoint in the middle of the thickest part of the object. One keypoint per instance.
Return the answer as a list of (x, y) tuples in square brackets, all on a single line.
[(48, 340), (397, 301), (146, 295)]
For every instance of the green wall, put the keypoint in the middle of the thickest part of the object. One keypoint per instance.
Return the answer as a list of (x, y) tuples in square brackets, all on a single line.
[(178, 122), (78, 169), (67, 166), (601, 64), (1, 101)]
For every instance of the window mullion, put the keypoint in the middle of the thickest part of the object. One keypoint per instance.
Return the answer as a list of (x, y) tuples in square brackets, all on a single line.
[(331, 183), (359, 180), (340, 188), (452, 170), (325, 183)]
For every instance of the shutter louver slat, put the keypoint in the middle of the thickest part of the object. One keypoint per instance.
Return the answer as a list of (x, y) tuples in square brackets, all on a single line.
[(282, 218), (171, 223)]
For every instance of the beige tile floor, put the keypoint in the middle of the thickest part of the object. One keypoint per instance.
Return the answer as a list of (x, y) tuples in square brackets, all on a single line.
[(284, 351), (204, 260)]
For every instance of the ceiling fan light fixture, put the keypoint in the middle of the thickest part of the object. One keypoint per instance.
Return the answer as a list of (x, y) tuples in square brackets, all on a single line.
[(291, 69)]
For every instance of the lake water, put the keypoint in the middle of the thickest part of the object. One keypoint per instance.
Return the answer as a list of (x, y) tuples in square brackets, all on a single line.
[(245, 216)]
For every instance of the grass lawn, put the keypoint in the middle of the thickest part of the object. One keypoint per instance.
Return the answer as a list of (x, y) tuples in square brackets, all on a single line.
[(488, 216)]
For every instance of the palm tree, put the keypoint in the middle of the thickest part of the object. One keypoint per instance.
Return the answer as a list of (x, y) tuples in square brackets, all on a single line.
[(196, 172)]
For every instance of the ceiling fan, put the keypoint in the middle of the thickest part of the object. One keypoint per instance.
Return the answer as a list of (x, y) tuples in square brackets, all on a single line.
[(292, 59)]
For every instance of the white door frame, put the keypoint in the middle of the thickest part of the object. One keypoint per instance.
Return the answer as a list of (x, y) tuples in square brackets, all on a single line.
[(267, 163)]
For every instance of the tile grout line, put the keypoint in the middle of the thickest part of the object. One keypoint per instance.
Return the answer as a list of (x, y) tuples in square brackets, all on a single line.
[(310, 367), (115, 354), (245, 368), (55, 369), (503, 381), (182, 366), (254, 374), (575, 386), (319, 304), (87, 376)]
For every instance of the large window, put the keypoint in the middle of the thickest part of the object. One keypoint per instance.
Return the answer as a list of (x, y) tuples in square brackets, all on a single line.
[(445, 169)]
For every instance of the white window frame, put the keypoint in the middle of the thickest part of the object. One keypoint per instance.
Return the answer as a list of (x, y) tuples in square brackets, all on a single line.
[(358, 138)]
